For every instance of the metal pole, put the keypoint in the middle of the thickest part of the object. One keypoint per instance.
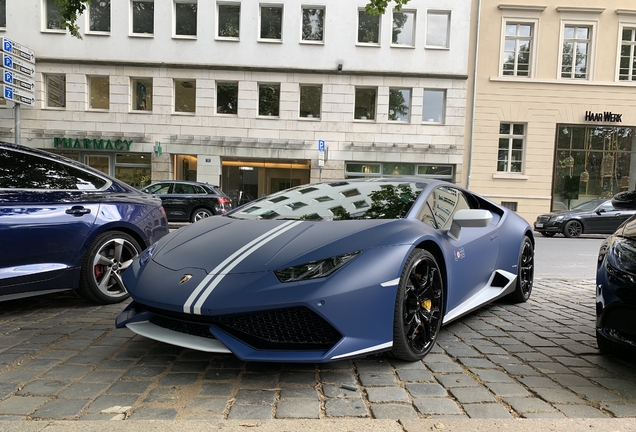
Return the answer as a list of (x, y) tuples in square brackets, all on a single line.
[(320, 174), (17, 122)]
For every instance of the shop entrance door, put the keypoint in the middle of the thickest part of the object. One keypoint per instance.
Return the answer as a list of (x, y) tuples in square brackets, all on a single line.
[(99, 162)]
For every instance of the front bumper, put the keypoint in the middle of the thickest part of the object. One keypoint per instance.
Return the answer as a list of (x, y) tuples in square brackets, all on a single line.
[(551, 227)]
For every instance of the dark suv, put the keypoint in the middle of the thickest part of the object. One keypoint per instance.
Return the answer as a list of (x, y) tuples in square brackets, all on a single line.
[(186, 201)]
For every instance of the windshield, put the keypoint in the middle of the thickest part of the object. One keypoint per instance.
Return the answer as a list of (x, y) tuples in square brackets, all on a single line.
[(341, 200), (589, 205)]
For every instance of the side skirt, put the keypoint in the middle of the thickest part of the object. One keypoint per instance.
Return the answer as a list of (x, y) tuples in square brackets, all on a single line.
[(500, 284)]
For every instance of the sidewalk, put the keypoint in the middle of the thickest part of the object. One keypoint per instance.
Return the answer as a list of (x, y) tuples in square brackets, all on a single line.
[(62, 359)]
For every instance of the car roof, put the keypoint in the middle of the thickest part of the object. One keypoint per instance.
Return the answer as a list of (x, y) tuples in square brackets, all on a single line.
[(185, 182)]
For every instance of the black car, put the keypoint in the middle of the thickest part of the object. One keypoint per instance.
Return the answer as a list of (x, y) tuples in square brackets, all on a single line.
[(597, 216), (187, 201), (65, 226), (616, 286)]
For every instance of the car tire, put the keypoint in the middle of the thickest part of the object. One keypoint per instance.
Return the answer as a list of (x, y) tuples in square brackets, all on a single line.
[(104, 262), (418, 307), (573, 229), (525, 273), (200, 213), (547, 234)]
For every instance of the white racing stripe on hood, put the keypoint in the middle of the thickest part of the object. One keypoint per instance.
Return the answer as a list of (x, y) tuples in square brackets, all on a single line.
[(228, 264)]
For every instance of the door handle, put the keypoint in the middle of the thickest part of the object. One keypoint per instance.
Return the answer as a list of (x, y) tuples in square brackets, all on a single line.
[(78, 211)]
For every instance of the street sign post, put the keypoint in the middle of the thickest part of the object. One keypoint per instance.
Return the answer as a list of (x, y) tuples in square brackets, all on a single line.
[(18, 50), (321, 157), (18, 67), (17, 80), (17, 95)]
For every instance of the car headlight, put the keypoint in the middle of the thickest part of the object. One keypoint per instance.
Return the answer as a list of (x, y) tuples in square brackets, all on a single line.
[(557, 218), (146, 255), (622, 256), (314, 269)]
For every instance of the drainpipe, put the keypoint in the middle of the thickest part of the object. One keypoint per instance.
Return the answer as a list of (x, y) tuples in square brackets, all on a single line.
[(471, 133)]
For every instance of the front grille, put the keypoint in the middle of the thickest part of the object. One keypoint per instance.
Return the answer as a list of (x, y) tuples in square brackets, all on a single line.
[(543, 219), (297, 328), (194, 329), (292, 328)]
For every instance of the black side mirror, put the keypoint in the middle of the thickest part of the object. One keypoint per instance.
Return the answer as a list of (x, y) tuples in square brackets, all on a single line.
[(625, 200)]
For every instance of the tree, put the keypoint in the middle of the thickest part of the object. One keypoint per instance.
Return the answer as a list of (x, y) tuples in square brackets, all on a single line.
[(71, 9)]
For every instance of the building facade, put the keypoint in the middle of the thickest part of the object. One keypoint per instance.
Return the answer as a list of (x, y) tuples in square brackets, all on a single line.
[(241, 93), (554, 117)]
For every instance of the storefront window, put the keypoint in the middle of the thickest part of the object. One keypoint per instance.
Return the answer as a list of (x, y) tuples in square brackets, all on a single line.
[(361, 169), (592, 162), (246, 180)]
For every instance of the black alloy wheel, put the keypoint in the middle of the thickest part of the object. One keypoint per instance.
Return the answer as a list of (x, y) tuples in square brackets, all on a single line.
[(418, 307), (573, 229), (105, 260), (525, 273)]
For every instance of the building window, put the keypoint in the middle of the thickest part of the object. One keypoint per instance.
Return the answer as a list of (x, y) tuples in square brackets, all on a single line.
[(99, 92), (229, 20), (433, 103), (310, 101), (388, 169), (517, 49), (313, 24), (227, 98), (271, 23), (512, 137), (53, 19), (403, 28), (268, 100), (55, 91), (141, 94), (185, 18), (368, 28), (143, 17), (3, 13), (437, 29), (185, 96), (627, 69), (574, 57), (399, 104), (510, 205), (365, 102), (99, 16)]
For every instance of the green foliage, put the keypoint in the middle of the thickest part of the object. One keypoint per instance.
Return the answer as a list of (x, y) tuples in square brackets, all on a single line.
[(376, 7), (70, 10)]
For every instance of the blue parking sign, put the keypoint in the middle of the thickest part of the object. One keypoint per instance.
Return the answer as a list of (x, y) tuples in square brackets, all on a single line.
[(8, 92), (8, 45), (8, 61), (321, 145), (8, 77)]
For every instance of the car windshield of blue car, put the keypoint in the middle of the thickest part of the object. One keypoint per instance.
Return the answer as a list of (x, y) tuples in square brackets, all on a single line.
[(341, 200)]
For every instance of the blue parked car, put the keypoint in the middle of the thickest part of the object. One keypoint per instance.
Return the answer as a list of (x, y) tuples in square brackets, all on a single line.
[(66, 226), (330, 271)]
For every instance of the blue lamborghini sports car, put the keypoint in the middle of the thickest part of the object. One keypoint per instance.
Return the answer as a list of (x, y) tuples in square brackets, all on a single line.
[(330, 271)]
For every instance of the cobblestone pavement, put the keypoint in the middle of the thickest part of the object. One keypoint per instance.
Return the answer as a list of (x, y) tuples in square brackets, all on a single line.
[(62, 358)]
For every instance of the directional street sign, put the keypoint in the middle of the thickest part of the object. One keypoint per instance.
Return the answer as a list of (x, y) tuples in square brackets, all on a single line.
[(17, 80), (16, 95), (16, 65), (18, 50)]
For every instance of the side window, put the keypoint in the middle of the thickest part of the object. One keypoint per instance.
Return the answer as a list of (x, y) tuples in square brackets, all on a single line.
[(20, 170), (608, 207), (183, 189), (441, 206), (199, 190), (159, 188)]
